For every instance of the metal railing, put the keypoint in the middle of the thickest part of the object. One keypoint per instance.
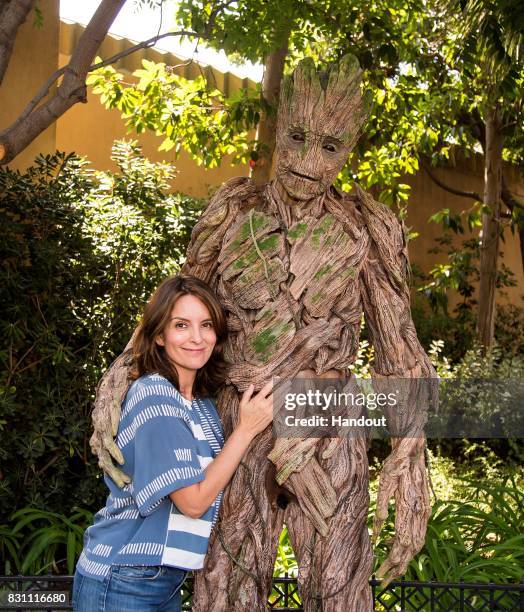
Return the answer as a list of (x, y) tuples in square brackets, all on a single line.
[(398, 596)]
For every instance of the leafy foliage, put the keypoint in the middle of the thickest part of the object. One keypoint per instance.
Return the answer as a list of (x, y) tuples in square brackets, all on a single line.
[(476, 538), (50, 541), (81, 252), (458, 275), (285, 562), (189, 114)]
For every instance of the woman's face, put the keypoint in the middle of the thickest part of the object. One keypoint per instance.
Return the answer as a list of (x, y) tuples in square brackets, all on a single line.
[(189, 337)]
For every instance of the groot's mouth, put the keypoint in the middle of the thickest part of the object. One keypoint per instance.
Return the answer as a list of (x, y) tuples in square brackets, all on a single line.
[(304, 176)]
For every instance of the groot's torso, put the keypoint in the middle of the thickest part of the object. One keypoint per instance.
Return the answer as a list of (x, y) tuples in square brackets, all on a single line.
[(291, 288)]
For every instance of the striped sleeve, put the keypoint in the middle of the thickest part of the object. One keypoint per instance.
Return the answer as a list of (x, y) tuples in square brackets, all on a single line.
[(166, 456)]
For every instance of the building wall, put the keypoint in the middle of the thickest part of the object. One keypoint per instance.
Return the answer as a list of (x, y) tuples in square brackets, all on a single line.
[(427, 198)]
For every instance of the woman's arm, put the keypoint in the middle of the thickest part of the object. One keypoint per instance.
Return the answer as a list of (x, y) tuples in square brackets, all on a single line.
[(255, 415)]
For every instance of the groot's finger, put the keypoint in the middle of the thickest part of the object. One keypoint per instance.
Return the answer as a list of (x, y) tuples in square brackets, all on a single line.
[(408, 540), (110, 446), (391, 569), (100, 417), (114, 414), (94, 443), (382, 572), (386, 489), (120, 478)]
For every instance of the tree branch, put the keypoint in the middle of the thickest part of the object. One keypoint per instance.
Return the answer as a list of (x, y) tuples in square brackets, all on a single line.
[(143, 45), (35, 119), (511, 202), (266, 133), (72, 89), (13, 15), (458, 192), (44, 90), (508, 198)]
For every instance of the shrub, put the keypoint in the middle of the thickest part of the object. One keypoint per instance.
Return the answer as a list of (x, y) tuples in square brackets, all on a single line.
[(49, 541), (82, 251), (509, 328), (477, 396)]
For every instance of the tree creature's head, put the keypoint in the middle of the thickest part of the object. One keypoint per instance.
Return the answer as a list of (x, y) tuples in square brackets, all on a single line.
[(320, 117)]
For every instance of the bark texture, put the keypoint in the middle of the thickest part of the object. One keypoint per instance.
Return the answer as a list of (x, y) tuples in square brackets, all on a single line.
[(489, 248)]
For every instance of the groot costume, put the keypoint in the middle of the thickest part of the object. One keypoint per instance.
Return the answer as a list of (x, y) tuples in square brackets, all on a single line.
[(295, 264)]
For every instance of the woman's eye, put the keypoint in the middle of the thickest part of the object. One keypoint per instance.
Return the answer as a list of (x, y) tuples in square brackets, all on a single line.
[(180, 325), (208, 325)]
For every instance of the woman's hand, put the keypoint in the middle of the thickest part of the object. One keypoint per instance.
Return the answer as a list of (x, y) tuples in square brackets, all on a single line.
[(256, 412)]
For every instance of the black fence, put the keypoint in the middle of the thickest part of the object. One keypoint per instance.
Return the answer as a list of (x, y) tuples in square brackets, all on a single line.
[(49, 593)]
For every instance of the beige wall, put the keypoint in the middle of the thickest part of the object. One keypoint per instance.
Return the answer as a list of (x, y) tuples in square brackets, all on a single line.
[(427, 198), (34, 59)]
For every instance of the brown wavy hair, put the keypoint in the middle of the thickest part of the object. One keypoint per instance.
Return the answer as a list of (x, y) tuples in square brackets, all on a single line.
[(149, 357)]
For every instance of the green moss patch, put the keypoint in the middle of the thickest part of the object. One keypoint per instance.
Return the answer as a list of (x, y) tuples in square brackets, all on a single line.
[(323, 271), (297, 231)]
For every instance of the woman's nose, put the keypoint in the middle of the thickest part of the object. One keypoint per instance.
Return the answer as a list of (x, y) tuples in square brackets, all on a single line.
[(196, 334)]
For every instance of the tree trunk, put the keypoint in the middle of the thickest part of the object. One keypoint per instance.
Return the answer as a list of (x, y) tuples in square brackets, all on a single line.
[(489, 248), (73, 89), (266, 133), (12, 16)]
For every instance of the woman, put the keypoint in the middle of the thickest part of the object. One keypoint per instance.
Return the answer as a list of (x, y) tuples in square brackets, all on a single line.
[(151, 532)]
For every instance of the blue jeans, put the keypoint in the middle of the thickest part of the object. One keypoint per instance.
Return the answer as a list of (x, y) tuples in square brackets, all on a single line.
[(136, 588)]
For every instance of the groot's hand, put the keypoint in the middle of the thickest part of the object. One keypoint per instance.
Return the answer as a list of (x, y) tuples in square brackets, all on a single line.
[(106, 416), (403, 477)]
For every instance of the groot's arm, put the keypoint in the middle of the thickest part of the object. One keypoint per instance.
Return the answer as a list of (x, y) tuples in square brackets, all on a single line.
[(110, 392), (206, 240), (398, 355)]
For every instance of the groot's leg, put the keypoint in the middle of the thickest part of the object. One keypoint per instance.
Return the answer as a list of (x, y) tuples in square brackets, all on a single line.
[(248, 528), (334, 571)]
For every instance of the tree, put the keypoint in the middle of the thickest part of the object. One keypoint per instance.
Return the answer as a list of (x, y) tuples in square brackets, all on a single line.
[(12, 15), (495, 34), (476, 98), (43, 111), (37, 117)]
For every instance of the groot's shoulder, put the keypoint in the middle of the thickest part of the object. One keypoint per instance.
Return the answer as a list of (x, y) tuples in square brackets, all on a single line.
[(387, 235), (225, 206), (381, 221), (240, 190)]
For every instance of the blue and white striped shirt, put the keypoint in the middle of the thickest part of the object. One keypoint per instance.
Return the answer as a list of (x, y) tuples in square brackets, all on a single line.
[(167, 442)]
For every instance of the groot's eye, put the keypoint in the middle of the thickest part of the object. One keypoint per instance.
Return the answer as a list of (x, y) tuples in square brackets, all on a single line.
[(329, 146), (297, 136)]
